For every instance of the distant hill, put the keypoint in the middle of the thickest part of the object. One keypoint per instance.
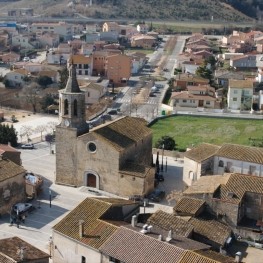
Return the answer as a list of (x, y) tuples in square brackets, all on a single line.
[(205, 10)]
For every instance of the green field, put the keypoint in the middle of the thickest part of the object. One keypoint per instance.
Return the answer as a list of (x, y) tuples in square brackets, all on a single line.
[(188, 130)]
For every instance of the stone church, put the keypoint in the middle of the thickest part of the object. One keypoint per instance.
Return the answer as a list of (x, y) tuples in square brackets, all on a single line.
[(115, 157)]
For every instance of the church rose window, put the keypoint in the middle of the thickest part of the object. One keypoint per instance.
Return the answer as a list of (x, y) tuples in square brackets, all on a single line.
[(92, 147)]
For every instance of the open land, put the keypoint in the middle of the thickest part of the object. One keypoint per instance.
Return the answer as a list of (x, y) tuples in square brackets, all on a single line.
[(188, 130)]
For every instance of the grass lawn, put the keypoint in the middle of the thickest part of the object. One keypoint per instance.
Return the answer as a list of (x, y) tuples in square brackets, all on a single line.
[(189, 130)]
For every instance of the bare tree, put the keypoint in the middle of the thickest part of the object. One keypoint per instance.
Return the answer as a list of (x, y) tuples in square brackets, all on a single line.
[(40, 129), (27, 131), (51, 126), (30, 93)]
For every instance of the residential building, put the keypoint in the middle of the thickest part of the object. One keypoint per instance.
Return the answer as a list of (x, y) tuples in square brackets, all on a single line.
[(118, 68), (12, 184), (142, 28), (243, 62), (24, 41), (92, 37), (21, 12), (10, 153), (110, 27), (183, 80), (86, 49), (83, 64), (114, 157), (222, 77), (195, 96), (53, 74), (16, 250), (138, 60), (16, 77), (10, 57), (48, 40), (240, 93), (143, 41), (93, 92), (79, 235), (209, 159), (63, 29), (109, 36), (234, 199)]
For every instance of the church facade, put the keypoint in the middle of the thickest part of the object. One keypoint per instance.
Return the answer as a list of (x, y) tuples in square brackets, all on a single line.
[(115, 157)]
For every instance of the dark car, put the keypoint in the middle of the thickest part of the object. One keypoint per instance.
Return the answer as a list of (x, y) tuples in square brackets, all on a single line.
[(156, 195)]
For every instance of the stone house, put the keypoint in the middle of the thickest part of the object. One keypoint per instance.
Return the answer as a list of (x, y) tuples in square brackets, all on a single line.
[(222, 77), (234, 199), (16, 250), (113, 157), (208, 159), (12, 184), (10, 153), (79, 235), (240, 94), (194, 97)]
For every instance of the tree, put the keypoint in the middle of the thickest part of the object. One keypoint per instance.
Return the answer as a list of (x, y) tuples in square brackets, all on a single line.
[(26, 131), (166, 143), (8, 134), (63, 77), (44, 81), (30, 93), (47, 101), (40, 129)]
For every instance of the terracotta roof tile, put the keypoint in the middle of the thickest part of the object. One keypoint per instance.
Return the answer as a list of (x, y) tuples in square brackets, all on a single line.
[(241, 84), (241, 152), (211, 229), (91, 211), (187, 95), (188, 205), (202, 152), (207, 184), (170, 222), (137, 170), (123, 132), (130, 246), (6, 259), (215, 256), (9, 247), (8, 169), (7, 148)]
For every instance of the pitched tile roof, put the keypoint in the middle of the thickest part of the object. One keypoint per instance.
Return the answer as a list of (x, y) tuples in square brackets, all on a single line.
[(241, 152), (80, 59), (202, 152), (241, 84), (130, 246), (124, 132), (170, 222), (211, 229), (7, 148), (215, 256), (135, 169), (187, 95), (9, 169), (188, 205), (92, 212), (237, 185), (207, 184), (9, 247), (6, 259)]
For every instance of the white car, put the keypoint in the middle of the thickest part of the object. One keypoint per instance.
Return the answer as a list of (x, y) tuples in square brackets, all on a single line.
[(26, 59), (27, 146), (22, 207)]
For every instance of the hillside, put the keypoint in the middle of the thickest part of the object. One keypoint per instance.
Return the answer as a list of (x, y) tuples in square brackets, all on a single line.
[(143, 9)]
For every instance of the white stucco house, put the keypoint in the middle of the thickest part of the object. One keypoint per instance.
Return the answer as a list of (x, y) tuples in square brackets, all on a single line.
[(209, 159), (93, 92)]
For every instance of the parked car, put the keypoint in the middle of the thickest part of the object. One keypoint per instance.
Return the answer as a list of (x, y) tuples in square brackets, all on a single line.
[(26, 59), (27, 146), (21, 208), (156, 195)]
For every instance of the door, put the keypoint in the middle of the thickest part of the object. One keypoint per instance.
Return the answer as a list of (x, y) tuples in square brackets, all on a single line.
[(91, 180), (201, 103)]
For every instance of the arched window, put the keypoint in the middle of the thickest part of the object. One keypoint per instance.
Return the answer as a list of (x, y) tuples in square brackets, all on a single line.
[(66, 107), (221, 163), (75, 108)]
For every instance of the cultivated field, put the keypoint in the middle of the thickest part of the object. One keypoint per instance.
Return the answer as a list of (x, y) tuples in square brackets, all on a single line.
[(188, 131)]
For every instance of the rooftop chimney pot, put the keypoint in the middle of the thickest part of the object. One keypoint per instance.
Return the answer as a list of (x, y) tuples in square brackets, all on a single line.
[(81, 228)]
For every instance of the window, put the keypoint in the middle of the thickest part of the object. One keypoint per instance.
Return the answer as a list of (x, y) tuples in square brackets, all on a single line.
[(80, 72), (83, 259), (207, 103), (234, 99), (75, 108), (235, 92), (221, 163), (184, 101), (92, 147), (191, 175), (252, 169), (86, 72), (66, 107)]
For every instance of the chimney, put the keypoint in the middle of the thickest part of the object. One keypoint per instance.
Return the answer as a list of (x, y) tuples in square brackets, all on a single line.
[(160, 237), (238, 257), (149, 229), (169, 237), (81, 228), (144, 229), (134, 221)]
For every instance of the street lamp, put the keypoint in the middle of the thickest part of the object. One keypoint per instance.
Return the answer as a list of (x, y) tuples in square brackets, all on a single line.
[(162, 158), (49, 197)]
